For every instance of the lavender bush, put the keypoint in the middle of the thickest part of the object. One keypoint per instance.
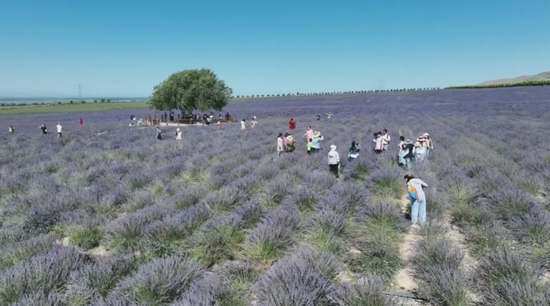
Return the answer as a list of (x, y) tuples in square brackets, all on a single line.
[(159, 282), (110, 189)]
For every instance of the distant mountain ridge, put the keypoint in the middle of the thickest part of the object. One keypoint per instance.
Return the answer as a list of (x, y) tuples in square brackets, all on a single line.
[(537, 77)]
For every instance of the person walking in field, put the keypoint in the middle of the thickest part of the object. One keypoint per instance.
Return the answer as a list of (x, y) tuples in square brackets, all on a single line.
[(318, 117), (329, 115), (81, 122), (333, 160), (11, 130), (253, 122), (285, 141), (386, 138), (159, 134), (219, 124), (408, 153), (44, 129), (316, 142), (418, 199), (401, 152), (379, 143), (178, 134), (429, 144), (353, 152), (309, 146), (291, 124), (420, 149), (290, 145), (280, 146), (309, 133), (243, 124), (59, 130)]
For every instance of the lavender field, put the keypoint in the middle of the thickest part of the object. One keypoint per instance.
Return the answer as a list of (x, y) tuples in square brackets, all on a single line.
[(108, 215)]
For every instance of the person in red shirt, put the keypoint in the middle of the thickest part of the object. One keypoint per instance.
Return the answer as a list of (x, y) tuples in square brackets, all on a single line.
[(81, 122), (292, 124)]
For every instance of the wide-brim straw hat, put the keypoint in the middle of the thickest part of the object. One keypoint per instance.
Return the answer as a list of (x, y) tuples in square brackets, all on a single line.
[(426, 135), (316, 134), (333, 147)]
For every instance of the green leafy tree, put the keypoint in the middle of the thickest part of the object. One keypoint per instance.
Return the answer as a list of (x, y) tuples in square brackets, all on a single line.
[(190, 90)]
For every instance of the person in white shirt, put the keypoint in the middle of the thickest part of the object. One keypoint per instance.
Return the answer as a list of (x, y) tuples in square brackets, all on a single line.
[(243, 125), (59, 130), (280, 145), (418, 199), (420, 149), (379, 143), (333, 160), (386, 138), (429, 144)]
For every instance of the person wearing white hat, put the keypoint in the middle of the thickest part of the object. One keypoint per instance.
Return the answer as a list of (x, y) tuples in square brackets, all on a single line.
[(333, 160), (178, 134), (420, 149)]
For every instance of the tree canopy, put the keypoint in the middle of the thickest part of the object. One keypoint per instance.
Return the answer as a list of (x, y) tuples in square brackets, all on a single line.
[(190, 90)]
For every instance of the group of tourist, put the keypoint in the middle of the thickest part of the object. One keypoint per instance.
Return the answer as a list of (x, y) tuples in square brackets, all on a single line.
[(381, 141), (253, 123), (44, 129), (409, 151), (285, 143)]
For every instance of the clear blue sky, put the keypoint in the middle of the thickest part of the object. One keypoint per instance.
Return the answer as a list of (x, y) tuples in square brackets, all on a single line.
[(124, 48)]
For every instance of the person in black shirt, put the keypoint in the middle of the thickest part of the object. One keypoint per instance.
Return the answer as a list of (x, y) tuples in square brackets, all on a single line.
[(44, 129), (159, 133)]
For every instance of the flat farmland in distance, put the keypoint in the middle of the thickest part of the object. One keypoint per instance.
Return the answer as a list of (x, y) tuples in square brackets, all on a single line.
[(75, 107), (107, 215)]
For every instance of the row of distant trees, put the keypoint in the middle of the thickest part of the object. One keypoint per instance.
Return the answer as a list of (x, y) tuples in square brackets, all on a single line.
[(519, 84), (58, 102), (334, 93)]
